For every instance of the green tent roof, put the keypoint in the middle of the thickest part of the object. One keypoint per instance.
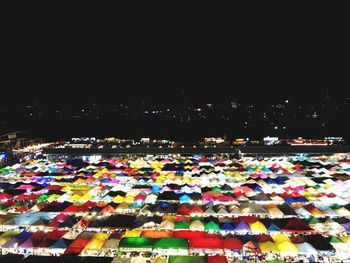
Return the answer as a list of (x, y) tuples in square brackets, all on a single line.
[(336, 206), (42, 197), (136, 242), (187, 259), (3, 207), (182, 225), (216, 189), (165, 243), (314, 220), (334, 239), (211, 226)]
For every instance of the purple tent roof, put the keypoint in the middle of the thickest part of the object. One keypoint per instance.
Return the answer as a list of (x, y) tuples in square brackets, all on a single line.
[(27, 244), (11, 243), (347, 227), (242, 226)]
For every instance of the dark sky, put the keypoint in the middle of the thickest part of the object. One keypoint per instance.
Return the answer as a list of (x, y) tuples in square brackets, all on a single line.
[(144, 53)]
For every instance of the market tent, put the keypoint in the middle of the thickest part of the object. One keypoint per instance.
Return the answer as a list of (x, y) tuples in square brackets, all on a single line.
[(242, 227), (306, 248), (206, 243), (167, 225), (76, 246), (196, 225), (156, 234), (297, 225), (60, 245), (232, 244), (6, 236), (159, 260), (94, 246), (320, 243), (187, 259), (132, 233), (227, 227), (257, 228), (284, 244), (287, 247), (136, 244), (182, 225), (217, 259), (189, 234), (172, 246), (111, 244), (212, 227), (121, 260), (268, 247), (138, 259)]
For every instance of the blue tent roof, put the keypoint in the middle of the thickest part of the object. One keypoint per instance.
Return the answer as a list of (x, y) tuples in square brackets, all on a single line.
[(184, 198), (156, 188), (61, 243), (289, 200), (281, 180), (23, 235), (302, 199), (227, 227), (163, 204), (271, 181), (273, 228)]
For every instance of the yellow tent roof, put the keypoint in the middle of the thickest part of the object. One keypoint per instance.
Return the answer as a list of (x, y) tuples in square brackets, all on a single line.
[(159, 260), (118, 199), (74, 197), (287, 247), (268, 247), (279, 238), (345, 239), (53, 197), (85, 198), (123, 205), (101, 236), (258, 228), (132, 233), (169, 217), (94, 244), (129, 198)]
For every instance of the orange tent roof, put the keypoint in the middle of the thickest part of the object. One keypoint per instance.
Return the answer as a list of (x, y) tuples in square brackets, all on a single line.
[(156, 234)]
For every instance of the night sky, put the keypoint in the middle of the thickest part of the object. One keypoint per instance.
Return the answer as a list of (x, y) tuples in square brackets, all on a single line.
[(157, 54), (141, 54)]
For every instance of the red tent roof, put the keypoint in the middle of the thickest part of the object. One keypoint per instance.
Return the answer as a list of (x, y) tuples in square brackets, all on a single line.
[(233, 243), (184, 210), (188, 234), (297, 225), (196, 209), (217, 259), (76, 246), (56, 234), (4, 196), (38, 235), (210, 243), (107, 210), (71, 209)]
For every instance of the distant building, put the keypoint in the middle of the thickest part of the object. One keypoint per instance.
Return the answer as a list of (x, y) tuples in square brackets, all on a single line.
[(17, 139)]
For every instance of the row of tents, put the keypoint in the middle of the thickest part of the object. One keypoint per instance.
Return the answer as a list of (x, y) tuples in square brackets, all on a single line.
[(176, 206)]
